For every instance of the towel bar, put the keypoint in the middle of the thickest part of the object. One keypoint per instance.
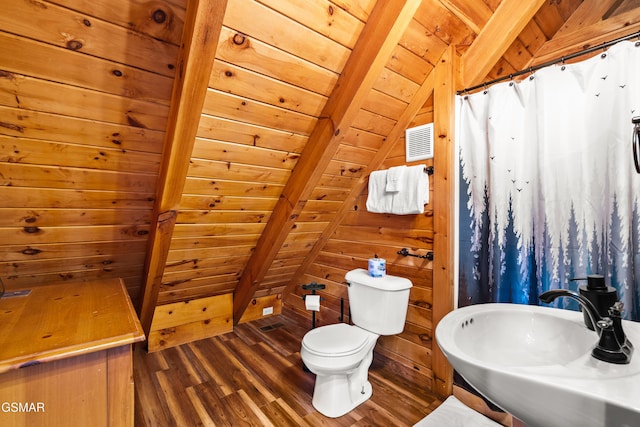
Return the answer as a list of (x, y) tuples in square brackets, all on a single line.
[(405, 252)]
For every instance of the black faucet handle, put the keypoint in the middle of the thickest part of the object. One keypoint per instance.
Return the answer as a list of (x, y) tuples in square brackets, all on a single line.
[(609, 349), (615, 313), (616, 309), (605, 324)]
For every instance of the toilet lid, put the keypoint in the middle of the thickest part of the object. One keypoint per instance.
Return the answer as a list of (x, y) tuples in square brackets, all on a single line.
[(339, 339)]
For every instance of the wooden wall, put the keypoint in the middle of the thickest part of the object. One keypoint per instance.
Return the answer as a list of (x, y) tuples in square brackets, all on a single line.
[(270, 81), (85, 89), (271, 78), (85, 94), (362, 235), (359, 235)]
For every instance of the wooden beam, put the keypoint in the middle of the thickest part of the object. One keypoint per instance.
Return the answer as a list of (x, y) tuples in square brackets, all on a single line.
[(202, 28), (443, 208), (503, 28), (380, 35)]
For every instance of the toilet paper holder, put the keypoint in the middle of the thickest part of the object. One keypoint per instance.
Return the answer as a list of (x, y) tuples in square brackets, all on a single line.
[(313, 287)]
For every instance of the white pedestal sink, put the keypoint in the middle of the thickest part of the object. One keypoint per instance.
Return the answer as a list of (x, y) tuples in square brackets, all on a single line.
[(535, 363)]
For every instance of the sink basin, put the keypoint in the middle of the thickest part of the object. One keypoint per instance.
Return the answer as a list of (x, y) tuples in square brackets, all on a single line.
[(535, 363)]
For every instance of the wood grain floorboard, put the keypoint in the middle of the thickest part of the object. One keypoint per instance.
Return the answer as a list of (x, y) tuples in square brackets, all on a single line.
[(253, 376)]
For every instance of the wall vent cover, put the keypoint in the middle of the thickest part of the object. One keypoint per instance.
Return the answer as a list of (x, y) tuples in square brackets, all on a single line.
[(419, 142)]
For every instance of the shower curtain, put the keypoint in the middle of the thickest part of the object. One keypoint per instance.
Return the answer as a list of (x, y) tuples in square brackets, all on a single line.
[(548, 190)]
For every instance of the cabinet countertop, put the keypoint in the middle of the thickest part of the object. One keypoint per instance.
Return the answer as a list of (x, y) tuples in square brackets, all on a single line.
[(64, 320)]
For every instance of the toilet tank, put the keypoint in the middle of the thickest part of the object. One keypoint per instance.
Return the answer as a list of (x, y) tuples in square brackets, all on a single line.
[(378, 304)]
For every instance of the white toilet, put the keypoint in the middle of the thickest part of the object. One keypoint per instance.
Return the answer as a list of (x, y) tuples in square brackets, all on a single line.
[(340, 354)]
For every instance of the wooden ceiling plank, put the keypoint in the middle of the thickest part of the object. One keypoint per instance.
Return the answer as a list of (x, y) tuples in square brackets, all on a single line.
[(586, 14), (475, 14), (623, 7), (200, 39), (381, 34), (532, 37), (507, 22), (444, 24), (514, 59), (592, 35)]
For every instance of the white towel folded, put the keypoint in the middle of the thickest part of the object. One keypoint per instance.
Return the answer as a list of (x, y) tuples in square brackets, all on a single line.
[(394, 178), (414, 193), (379, 200), (411, 197)]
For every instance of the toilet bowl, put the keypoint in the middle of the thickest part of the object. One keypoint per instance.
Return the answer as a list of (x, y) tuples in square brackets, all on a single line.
[(340, 355)]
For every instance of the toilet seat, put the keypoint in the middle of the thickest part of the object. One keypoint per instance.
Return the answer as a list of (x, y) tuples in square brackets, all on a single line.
[(339, 339)]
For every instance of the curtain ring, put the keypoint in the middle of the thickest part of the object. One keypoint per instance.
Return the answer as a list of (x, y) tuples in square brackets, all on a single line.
[(485, 88), (511, 79), (564, 67), (531, 77)]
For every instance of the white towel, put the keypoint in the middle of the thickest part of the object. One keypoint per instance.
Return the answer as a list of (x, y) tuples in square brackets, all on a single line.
[(410, 199), (378, 199), (414, 193), (394, 178), (453, 413)]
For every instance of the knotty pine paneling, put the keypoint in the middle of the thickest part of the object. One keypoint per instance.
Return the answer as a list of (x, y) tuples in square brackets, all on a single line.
[(545, 24), (377, 118), (20, 91), (256, 308), (236, 48), (360, 236), (163, 20), (182, 322), (92, 36), (240, 132), (236, 80), (85, 89), (443, 24), (289, 35), (269, 83)]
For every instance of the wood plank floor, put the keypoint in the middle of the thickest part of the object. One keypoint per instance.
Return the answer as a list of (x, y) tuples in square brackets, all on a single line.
[(254, 377)]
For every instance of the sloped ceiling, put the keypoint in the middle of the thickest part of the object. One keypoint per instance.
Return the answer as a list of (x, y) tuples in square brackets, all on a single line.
[(283, 115), (196, 148)]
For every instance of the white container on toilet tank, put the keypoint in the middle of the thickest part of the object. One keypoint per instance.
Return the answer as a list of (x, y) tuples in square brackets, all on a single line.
[(370, 310)]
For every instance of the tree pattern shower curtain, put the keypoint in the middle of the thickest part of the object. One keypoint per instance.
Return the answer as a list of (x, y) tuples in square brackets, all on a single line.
[(548, 188)]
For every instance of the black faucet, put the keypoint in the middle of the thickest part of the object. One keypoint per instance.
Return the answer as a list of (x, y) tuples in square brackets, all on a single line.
[(613, 346)]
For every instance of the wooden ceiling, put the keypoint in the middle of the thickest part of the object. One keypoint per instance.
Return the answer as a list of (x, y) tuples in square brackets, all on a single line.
[(234, 180), (338, 83)]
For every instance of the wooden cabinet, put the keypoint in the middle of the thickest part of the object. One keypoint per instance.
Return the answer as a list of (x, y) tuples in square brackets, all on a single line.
[(65, 356)]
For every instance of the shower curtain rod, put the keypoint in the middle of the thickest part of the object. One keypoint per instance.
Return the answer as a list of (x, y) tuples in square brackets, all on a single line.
[(546, 64)]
